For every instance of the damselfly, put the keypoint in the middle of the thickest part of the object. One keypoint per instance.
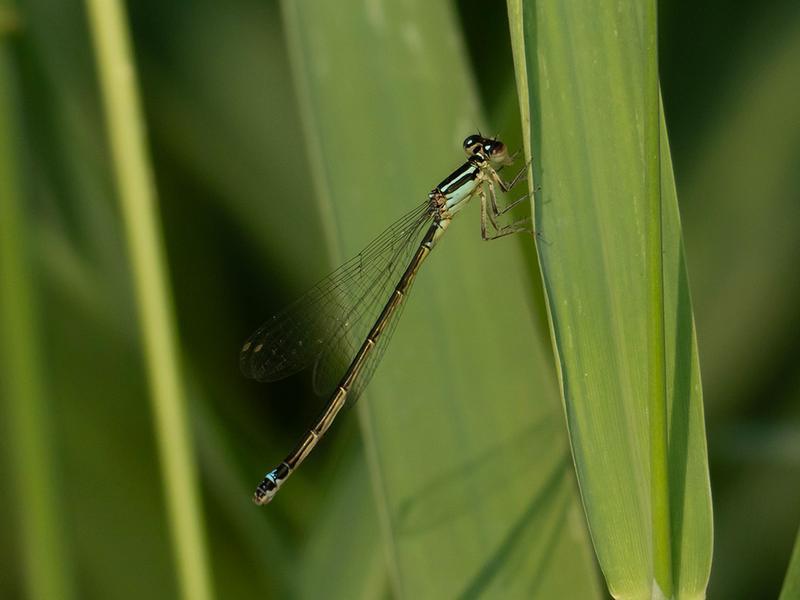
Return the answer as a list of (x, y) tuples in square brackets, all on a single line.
[(343, 324)]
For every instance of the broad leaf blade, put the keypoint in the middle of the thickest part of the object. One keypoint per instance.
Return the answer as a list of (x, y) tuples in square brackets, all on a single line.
[(581, 74), (465, 442)]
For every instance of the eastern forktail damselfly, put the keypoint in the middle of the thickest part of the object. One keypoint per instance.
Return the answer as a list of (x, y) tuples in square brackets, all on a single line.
[(336, 320)]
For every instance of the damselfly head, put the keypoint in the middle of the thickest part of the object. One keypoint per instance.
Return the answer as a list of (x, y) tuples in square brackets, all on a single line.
[(489, 148)]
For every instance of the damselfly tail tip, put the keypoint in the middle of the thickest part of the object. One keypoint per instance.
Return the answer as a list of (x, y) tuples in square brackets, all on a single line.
[(260, 499), (266, 490), (270, 485)]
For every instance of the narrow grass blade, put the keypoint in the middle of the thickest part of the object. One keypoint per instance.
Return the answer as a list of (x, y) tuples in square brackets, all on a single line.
[(741, 227), (26, 422), (601, 157), (461, 424), (137, 196)]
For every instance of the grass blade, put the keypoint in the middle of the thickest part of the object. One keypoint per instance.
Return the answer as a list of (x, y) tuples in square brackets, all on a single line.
[(584, 99), (137, 196), (26, 422)]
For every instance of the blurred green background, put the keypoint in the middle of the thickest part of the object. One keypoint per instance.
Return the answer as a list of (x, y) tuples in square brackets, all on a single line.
[(244, 237)]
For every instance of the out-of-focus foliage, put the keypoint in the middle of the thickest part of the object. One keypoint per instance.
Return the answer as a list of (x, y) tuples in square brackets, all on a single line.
[(468, 456), (245, 236)]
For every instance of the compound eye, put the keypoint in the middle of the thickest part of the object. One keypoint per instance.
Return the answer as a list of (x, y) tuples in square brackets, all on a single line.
[(498, 153), (472, 144)]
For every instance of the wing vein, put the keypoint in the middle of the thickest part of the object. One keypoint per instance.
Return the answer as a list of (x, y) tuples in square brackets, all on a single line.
[(331, 311)]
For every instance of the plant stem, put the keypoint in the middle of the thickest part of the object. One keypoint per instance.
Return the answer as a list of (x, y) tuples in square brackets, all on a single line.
[(44, 554), (136, 191)]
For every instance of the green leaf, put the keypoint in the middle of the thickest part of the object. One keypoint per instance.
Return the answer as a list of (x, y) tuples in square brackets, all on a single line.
[(628, 369), (461, 423)]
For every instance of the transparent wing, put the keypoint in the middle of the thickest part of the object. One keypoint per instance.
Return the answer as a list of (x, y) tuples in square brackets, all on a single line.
[(369, 367), (296, 337), (344, 344)]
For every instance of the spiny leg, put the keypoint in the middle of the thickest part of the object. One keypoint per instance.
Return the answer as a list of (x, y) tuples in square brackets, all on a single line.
[(484, 214), (497, 212), (516, 227), (494, 212), (493, 199), (505, 187)]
